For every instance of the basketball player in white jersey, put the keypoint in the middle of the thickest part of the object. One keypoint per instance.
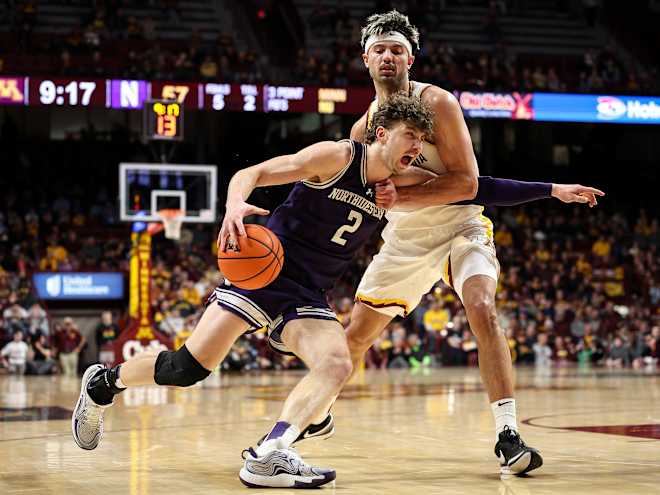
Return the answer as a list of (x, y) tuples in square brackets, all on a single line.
[(427, 239)]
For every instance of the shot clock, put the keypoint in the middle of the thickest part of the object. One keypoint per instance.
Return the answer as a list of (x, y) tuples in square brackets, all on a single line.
[(163, 120)]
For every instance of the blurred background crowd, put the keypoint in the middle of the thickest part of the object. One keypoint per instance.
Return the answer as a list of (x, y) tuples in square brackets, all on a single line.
[(542, 45), (576, 286)]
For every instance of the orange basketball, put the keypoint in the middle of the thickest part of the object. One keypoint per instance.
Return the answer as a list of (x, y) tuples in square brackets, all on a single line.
[(259, 261)]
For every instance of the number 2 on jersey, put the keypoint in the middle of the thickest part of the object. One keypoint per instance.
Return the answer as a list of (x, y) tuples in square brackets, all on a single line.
[(356, 218)]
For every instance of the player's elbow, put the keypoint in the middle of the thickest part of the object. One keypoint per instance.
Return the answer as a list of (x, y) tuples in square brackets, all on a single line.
[(471, 186)]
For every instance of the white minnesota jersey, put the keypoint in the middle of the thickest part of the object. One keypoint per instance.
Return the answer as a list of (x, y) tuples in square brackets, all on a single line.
[(452, 242), (431, 216)]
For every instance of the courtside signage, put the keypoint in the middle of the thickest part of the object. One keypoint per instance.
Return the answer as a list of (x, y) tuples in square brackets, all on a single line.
[(596, 108), (79, 286)]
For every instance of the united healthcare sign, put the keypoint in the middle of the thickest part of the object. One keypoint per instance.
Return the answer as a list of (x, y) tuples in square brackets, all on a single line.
[(596, 108), (79, 286)]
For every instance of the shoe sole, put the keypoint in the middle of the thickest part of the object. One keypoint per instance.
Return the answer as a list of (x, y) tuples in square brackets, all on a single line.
[(523, 465), (85, 378), (284, 480), (535, 463)]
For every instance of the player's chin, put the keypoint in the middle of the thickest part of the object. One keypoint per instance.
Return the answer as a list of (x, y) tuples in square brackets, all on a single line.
[(388, 77)]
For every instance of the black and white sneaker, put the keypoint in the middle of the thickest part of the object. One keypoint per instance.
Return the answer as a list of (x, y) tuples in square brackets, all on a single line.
[(282, 468), (321, 431), (516, 457), (87, 417)]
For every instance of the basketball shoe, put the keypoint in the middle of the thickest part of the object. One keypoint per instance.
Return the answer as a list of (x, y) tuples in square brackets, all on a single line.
[(87, 417), (516, 457), (282, 468), (321, 431)]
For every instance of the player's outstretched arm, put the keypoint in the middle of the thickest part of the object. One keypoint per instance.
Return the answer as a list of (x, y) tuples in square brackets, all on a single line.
[(452, 140), (575, 193), (494, 191), (316, 162)]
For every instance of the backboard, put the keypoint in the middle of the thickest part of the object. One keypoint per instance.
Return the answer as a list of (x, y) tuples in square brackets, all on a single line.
[(146, 188)]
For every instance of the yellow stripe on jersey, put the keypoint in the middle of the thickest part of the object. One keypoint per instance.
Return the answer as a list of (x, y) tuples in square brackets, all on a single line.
[(383, 303), (487, 223), (445, 273)]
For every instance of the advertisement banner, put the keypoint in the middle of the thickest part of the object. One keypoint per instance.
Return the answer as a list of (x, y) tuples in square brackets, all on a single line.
[(496, 105), (556, 107), (78, 286)]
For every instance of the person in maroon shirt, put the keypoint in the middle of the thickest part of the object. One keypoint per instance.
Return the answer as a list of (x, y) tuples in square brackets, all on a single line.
[(69, 342)]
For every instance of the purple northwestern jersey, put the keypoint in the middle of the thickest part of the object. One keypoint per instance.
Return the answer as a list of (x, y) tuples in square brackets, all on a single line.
[(323, 225)]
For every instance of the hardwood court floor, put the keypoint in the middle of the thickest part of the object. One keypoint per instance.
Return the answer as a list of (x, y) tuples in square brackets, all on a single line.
[(398, 432)]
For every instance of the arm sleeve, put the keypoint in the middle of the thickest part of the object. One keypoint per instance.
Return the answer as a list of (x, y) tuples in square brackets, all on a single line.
[(508, 192)]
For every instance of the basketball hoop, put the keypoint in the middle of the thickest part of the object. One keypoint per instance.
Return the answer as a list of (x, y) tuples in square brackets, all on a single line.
[(172, 219)]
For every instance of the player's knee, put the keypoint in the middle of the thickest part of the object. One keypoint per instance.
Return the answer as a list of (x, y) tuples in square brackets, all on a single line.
[(481, 309), (481, 304), (178, 368), (338, 367)]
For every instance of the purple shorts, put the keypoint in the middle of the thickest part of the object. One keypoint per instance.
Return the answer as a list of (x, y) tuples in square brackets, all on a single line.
[(273, 307)]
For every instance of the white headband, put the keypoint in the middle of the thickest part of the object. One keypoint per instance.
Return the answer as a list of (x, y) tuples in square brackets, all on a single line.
[(392, 37)]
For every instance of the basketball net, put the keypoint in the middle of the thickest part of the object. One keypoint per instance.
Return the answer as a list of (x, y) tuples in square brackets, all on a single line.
[(172, 220)]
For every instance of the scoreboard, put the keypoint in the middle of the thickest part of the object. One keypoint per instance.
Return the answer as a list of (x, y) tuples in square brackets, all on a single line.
[(213, 96), (235, 97)]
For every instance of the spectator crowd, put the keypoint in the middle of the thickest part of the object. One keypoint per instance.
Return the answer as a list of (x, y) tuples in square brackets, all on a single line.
[(108, 41), (575, 287)]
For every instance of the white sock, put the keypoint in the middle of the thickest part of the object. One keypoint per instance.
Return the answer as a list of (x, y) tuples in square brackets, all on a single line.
[(280, 437), (504, 412)]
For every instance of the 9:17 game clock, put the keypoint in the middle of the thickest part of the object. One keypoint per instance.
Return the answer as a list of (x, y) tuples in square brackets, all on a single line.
[(163, 120)]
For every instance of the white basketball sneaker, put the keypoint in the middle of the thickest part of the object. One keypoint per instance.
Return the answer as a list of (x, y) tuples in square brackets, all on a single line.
[(282, 468), (87, 417)]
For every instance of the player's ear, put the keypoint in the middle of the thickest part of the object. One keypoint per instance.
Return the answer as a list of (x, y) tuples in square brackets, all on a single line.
[(365, 58), (381, 133), (411, 60)]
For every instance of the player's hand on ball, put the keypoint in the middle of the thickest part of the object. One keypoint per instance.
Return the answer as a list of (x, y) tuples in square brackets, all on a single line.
[(575, 193), (386, 194), (232, 225)]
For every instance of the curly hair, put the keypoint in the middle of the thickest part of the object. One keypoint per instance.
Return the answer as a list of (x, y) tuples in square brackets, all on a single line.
[(401, 108), (378, 24)]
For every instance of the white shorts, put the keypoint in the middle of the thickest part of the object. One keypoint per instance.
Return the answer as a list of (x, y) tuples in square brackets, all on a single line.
[(411, 261)]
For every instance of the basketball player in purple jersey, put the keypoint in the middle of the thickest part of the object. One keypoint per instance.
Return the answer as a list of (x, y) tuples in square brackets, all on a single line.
[(428, 238), (328, 216)]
